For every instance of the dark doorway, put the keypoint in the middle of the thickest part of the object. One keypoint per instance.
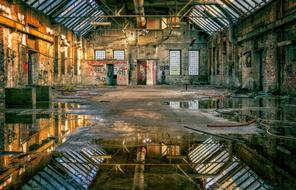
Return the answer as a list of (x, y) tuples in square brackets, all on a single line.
[(259, 61), (261, 71), (30, 67), (142, 72), (110, 74)]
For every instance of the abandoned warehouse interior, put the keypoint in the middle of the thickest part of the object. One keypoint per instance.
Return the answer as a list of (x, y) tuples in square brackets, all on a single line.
[(146, 94)]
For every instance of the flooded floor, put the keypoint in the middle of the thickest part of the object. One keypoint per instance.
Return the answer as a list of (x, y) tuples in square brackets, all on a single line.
[(135, 138)]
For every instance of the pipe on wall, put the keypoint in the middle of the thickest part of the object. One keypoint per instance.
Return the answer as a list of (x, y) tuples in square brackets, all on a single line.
[(139, 9)]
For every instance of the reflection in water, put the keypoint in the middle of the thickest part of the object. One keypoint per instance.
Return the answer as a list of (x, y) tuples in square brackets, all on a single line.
[(269, 108), (138, 160), (223, 170), (275, 115), (27, 134), (186, 162)]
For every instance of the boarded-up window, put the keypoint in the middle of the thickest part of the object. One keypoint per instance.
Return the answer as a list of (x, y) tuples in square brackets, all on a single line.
[(193, 62), (118, 54), (175, 62), (100, 54)]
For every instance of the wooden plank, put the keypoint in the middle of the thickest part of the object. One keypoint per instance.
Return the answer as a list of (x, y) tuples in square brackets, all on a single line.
[(4, 21)]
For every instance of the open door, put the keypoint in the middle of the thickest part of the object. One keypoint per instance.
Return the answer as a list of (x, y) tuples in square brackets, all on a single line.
[(110, 74), (151, 72), (142, 72)]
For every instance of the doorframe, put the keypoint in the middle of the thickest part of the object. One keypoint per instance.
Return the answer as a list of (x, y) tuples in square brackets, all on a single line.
[(259, 55), (112, 77), (31, 67)]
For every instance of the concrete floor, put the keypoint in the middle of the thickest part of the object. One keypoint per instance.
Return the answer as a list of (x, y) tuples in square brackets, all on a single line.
[(133, 111)]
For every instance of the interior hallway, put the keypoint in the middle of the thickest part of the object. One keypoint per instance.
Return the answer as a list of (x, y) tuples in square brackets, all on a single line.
[(147, 94)]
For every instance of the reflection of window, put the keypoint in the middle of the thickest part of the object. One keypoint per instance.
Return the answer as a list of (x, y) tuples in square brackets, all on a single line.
[(175, 62), (100, 54), (118, 54), (193, 62)]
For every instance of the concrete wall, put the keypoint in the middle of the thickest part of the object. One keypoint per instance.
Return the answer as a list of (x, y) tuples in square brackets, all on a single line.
[(270, 30), (150, 45)]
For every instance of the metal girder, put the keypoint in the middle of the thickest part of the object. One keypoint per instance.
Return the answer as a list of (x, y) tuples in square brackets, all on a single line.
[(133, 16), (86, 29), (86, 21)]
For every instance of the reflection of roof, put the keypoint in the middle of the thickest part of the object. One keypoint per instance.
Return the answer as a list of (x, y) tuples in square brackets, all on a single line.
[(223, 170), (72, 170)]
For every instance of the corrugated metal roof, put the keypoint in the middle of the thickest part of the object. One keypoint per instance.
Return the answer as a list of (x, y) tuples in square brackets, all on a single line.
[(223, 170)]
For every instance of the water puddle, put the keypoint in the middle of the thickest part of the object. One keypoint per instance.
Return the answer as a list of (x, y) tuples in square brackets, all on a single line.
[(265, 108), (147, 157), (177, 161), (28, 136), (275, 115)]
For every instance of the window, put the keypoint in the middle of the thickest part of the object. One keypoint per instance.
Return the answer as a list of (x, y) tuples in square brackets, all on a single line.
[(100, 54), (193, 62), (118, 54), (175, 62)]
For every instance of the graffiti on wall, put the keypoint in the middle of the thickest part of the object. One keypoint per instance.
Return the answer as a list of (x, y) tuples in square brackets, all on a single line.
[(1, 59), (164, 67), (122, 74), (98, 73)]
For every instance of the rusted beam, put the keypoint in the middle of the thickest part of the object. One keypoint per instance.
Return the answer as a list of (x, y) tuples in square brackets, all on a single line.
[(4, 21)]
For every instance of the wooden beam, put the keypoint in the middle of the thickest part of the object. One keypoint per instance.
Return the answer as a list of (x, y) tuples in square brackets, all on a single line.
[(4, 21)]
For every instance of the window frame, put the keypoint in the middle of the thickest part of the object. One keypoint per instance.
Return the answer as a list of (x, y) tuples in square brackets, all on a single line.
[(197, 64), (180, 62), (119, 50), (100, 50)]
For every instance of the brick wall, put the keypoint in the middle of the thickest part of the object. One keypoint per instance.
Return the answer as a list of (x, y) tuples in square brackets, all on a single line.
[(277, 72), (153, 45)]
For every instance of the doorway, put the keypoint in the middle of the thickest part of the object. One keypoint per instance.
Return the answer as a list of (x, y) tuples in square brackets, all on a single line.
[(260, 64), (110, 74), (261, 70), (31, 58), (146, 72), (151, 72), (142, 72)]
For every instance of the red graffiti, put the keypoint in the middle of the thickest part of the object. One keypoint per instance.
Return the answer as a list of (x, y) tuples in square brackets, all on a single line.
[(26, 67)]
